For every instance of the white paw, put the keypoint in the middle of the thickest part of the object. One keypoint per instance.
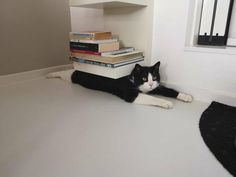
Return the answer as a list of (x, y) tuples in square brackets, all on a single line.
[(185, 97), (166, 104)]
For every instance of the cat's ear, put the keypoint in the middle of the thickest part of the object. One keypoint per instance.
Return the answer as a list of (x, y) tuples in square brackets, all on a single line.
[(137, 68), (157, 65)]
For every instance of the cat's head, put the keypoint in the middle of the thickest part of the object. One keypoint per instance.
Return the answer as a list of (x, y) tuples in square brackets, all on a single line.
[(146, 78)]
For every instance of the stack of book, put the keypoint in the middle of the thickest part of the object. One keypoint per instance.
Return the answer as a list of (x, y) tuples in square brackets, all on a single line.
[(98, 53)]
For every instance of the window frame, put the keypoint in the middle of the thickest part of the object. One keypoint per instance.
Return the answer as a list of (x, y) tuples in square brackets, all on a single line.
[(192, 31)]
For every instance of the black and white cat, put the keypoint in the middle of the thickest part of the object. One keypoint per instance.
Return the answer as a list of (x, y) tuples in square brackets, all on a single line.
[(139, 87)]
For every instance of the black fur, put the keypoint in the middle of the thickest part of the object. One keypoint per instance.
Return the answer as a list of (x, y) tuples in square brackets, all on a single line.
[(126, 87), (164, 91), (141, 71), (122, 87)]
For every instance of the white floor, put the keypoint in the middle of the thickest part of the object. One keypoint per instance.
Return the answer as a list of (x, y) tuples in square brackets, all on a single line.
[(50, 128)]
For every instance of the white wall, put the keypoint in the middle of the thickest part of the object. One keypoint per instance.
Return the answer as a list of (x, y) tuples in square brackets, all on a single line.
[(208, 76), (86, 19)]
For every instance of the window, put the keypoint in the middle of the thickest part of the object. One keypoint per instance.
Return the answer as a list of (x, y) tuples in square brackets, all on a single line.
[(214, 22), (211, 23)]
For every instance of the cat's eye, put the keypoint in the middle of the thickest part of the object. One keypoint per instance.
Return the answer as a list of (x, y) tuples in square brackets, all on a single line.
[(154, 78), (144, 79)]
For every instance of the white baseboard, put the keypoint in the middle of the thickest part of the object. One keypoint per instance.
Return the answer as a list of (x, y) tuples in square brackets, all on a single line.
[(30, 75), (206, 95)]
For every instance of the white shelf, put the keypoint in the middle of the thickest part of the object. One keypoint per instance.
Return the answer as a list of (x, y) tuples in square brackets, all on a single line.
[(107, 3), (131, 21)]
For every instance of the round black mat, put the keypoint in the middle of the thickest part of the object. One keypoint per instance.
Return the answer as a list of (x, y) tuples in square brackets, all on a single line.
[(218, 129)]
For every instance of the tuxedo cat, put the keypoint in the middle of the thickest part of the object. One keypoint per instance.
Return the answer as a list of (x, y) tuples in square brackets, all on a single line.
[(139, 87)]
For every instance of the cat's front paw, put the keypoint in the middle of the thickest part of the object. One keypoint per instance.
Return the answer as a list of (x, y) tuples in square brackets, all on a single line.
[(166, 104), (185, 97)]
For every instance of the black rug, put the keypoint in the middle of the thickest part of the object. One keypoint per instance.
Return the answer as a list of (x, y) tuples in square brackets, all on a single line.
[(218, 129)]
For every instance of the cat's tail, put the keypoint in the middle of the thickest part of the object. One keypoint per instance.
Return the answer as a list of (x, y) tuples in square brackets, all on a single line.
[(64, 75)]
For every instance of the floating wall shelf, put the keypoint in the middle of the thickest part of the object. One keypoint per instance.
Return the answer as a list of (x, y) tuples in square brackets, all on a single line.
[(107, 3), (131, 21)]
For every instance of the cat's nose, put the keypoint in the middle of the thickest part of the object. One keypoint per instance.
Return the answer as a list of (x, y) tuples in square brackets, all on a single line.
[(151, 84)]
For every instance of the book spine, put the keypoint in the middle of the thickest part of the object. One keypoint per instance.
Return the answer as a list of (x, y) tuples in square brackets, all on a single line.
[(85, 52), (127, 63), (98, 41), (80, 60), (92, 36), (84, 35), (84, 46), (117, 52), (109, 65)]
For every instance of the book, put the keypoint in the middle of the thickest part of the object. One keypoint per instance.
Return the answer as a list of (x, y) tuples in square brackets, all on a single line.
[(120, 58), (93, 35), (117, 52), (111, 65), (114, 73), (105, 54), (85, 52), (98, 41), (103, 47)]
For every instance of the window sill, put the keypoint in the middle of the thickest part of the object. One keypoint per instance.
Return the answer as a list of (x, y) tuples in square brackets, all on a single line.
[(208, 49)]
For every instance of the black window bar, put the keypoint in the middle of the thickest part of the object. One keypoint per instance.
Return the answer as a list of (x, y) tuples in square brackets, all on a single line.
[(207, 37)]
